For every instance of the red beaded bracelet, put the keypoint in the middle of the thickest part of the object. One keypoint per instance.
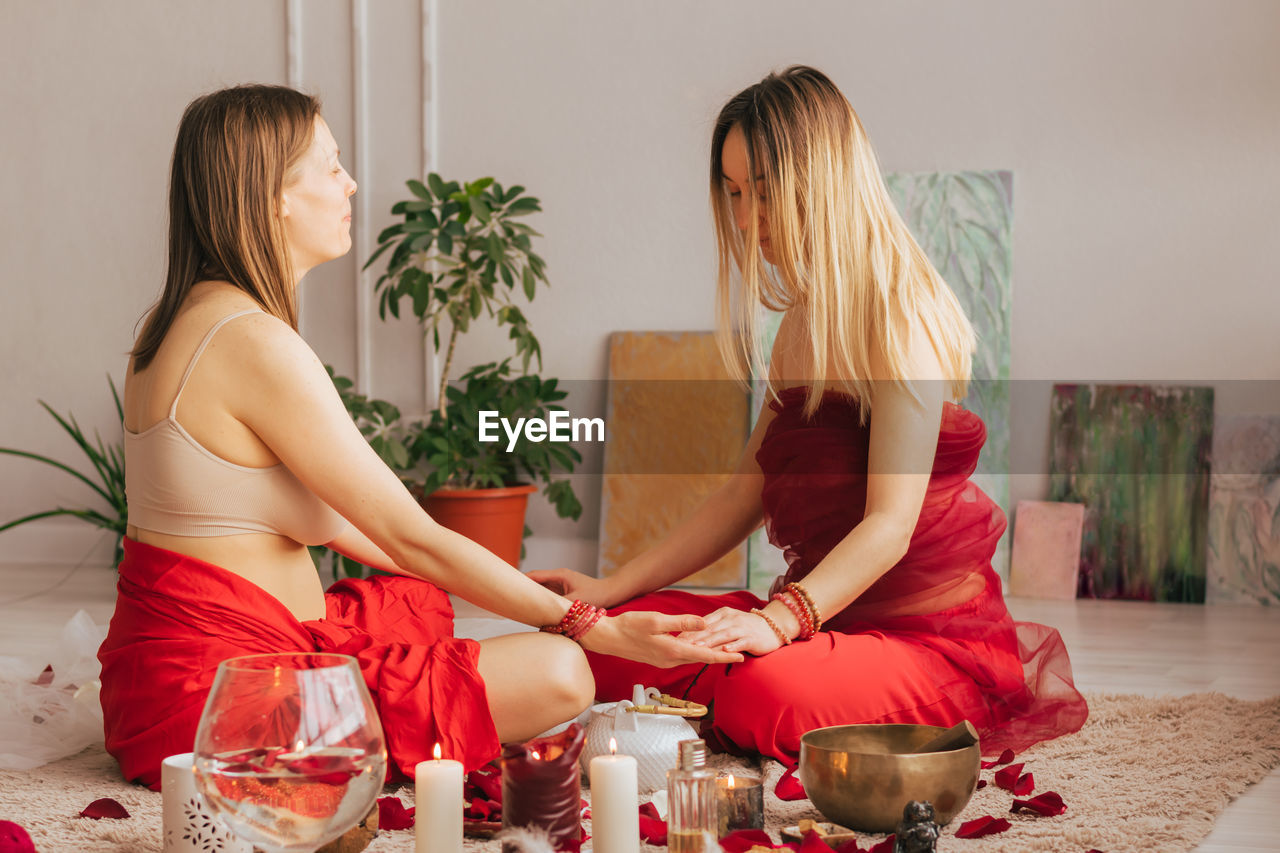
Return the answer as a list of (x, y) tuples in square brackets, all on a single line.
[(578, 620), (803, 594), (798, 610)]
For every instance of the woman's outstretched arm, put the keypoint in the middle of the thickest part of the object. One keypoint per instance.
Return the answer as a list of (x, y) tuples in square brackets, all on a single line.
[(286, 397)]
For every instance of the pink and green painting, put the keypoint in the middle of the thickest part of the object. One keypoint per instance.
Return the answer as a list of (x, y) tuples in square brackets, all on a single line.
[(1244, 512), (1137, 457)]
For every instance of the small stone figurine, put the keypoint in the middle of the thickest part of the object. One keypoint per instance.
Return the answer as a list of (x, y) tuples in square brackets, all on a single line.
[(918, 830)]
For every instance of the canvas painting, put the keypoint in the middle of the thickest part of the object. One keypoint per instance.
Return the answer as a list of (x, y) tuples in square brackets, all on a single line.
[(677, 427), (1244, 512), (1137, 457), (964, 222)]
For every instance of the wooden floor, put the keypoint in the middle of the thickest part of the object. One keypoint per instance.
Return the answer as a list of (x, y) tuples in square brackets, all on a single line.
[(1117, 647)]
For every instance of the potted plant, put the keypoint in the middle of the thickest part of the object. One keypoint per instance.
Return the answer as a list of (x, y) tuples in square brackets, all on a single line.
[(460, 253), (106, 479)]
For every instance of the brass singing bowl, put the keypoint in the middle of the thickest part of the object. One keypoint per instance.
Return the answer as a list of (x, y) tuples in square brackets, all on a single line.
[(861, 776)]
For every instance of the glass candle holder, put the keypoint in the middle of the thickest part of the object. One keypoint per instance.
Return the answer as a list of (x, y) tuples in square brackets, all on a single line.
[(741, 803)]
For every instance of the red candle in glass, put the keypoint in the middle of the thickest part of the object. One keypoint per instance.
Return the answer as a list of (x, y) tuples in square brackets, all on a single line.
[(540, 787)]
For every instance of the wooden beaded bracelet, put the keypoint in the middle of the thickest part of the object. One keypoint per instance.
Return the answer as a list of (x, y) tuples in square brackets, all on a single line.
[(788, 598), (777, 629)]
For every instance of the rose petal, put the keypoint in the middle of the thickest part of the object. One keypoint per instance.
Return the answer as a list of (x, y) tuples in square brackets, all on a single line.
[(742, 840), (980, 826), (105, 807), (487, 783), (393, 815), (1047, 804), (1005, 758), (14, 839), (982, 783), (1013, 779), (812, 842), (484, 810), (885, 846), (789, 787), (652, 830)]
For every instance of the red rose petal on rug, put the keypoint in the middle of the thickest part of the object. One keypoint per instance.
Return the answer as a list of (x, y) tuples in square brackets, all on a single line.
[(1047, 804), (982, 783), (1013, 779), (1005, 758), (789, 787), (741, 840), (484, 810), (105, 807), (885, 846), (14, 839), (393, 815), (653, 829), (980, 826)]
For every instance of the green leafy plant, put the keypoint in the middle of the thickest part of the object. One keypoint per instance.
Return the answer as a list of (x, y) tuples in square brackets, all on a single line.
[(451, 447), (460, 253), (106, 478)]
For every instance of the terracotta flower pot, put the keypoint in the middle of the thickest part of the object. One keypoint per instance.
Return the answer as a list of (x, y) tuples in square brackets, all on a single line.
[(492, 517)]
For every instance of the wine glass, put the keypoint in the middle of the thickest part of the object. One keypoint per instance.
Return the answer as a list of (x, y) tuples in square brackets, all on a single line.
[(289, 752)]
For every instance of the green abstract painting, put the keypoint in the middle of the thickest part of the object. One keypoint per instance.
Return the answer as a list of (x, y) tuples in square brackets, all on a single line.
[(1244, 512), (964, 223), (1137, 457)]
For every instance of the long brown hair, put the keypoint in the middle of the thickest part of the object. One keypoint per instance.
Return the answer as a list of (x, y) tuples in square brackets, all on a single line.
[(234, 151), (843, 254)]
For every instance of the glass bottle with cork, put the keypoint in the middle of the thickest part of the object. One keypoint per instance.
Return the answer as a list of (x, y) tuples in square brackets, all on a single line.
[(693, 813)]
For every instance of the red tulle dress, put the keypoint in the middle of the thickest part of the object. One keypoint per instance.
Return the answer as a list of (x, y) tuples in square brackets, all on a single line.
[(929, 642), (177, 618)]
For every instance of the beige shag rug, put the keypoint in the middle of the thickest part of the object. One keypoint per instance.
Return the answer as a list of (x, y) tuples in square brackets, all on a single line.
[(1143, 774)]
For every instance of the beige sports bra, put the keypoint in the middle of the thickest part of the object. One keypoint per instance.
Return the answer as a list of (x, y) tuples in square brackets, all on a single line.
[(178, 487)]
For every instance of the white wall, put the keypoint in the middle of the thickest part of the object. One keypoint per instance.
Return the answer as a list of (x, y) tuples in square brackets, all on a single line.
[(1142, 137)]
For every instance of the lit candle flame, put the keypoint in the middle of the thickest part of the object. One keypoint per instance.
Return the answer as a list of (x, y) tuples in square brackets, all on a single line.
[(299, 747), (731, 783), (436, 752), (535, 754), (613, 746)]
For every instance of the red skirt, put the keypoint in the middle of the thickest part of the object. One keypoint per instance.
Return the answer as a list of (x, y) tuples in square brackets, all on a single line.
[(1011, 680), (177, 618)]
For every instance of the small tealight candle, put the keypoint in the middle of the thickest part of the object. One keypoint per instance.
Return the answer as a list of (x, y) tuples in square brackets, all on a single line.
[(615, 815), (438, 800), (741, 800)]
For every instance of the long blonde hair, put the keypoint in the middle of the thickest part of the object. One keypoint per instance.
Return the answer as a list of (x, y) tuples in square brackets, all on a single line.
[(842, 253), (234, 151)]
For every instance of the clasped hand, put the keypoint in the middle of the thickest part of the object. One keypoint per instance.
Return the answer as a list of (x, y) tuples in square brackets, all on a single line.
[(733, 630), (647, 637)]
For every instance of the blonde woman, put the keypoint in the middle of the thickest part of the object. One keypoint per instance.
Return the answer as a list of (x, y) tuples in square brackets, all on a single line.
[(240, 454), (859, 467)]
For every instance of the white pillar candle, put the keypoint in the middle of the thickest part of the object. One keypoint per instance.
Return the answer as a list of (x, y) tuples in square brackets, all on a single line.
[(437, 825), (615, 803)]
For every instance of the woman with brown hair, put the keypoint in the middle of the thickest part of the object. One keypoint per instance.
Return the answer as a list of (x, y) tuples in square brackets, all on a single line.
[(859, 467), (240, 454)]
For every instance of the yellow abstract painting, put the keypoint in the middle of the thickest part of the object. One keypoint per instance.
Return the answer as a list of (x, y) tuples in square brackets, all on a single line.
[(677, 425)]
